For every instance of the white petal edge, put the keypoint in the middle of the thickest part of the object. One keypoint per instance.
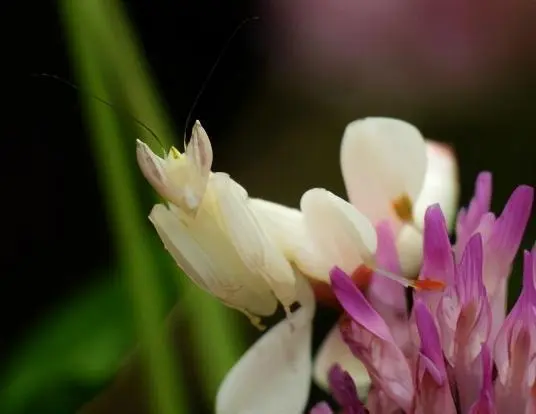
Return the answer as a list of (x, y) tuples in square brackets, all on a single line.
[(287, 227), (284, 224), (441, 184), (382, 159), (199, 149), (344, 236), (256, 248), (274, 375), (207, 257), (177, 178), (152, 168), (409, 245), (334, 351)]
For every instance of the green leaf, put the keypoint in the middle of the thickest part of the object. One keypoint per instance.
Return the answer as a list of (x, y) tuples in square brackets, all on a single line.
[(74, 352), (77, 349)]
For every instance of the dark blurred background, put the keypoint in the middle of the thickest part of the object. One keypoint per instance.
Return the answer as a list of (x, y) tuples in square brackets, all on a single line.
[(55, 229), (275, 109)]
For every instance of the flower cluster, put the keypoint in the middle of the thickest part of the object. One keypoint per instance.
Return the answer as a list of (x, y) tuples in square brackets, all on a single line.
[(455, 351), (359, 255)]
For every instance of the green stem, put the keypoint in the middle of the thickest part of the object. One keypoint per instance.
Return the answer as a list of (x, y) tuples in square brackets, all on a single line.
[(211, 321), (124, 210), (213, 324), (131, 71)]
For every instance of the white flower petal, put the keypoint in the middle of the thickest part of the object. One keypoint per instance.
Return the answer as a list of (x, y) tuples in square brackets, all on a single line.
[(382, 160), (199, 149), (253, 244), (152, 167), (274, 375), (409, 245), (334, 351), (177, 178), (202, 250), (211, 226), (287, 227), (341, 233), (284, 224), (441, 184)]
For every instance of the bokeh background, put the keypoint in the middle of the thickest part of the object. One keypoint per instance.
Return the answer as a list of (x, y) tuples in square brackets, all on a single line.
[(87, 290)]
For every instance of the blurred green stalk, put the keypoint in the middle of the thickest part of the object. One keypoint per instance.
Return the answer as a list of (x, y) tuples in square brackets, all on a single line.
[(210, 321), (217, 335), (131, 71), (103, 42), (123, 205)]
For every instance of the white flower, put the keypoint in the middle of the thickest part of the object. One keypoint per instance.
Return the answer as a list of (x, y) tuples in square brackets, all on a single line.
[(181, 179), (243, 250), (274, 375), (211, 232), (391, 174)]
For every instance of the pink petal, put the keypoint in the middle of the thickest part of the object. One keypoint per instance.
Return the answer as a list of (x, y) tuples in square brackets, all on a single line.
[(321, 408), (510, 226), (463, 314), (515, 345), (344, 391), (433, 388), (469, 277), (448, 311), (379, 402), (469, 219), (486, 400), (386, 253), (474, 323), (438, 262), (370, 340), (472, 331), (438, 258), (386, 296), (357, 307), (501, 247), (385, 362), (430, 342)]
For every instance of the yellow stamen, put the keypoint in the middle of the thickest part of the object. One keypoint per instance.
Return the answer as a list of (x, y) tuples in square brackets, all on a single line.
[(403, 208)]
